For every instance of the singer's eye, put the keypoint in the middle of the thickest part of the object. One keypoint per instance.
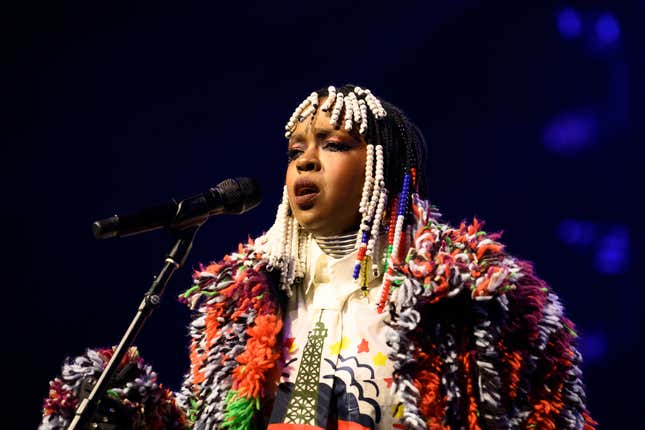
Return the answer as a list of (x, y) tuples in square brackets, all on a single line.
[(293, 153), (336, 146)]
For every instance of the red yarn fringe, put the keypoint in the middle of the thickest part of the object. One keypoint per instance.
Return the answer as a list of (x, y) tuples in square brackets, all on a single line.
[(472, 414), (432, 404)]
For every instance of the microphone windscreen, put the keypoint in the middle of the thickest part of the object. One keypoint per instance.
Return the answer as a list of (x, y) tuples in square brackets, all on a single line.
[(239, 195)]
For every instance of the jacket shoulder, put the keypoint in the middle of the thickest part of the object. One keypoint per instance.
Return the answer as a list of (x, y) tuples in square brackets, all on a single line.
[(246, 264), (447, 261)]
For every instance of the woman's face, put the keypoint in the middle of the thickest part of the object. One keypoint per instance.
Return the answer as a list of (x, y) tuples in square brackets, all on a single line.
[(325, 176)]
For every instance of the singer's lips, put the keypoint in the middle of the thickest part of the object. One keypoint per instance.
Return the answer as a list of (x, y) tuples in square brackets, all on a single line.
[(305, 192)]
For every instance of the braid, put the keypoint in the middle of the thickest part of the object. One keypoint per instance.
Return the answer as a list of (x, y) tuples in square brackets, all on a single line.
[(419, 150)]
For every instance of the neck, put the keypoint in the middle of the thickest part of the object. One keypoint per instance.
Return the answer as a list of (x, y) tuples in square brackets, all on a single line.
[(337, 246)]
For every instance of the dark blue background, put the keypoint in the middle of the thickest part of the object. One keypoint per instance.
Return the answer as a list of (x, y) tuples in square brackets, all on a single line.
[(533, 114)]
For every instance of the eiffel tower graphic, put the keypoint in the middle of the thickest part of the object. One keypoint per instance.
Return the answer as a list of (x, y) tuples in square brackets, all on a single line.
[(303, 406)]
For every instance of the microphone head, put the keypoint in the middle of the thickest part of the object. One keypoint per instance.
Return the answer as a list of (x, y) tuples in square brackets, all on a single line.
[(238, 195), (106, 228)]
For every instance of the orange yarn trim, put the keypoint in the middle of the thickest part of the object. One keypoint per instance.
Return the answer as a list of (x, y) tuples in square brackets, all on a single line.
[(590, 423), (546, 410), (511, 365), (213, 268), (197, 360), (259, 357), (432, 404), (492, 248), (472, 414), (543, 414), (246, 302)]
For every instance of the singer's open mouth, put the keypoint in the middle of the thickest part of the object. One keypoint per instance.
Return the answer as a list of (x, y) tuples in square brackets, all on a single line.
[(305, 192)]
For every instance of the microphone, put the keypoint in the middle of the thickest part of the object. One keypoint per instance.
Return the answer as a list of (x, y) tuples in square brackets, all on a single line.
[(231, 196)]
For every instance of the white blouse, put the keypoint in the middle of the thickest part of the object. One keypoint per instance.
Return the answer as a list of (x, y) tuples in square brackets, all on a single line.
[(337, 372)]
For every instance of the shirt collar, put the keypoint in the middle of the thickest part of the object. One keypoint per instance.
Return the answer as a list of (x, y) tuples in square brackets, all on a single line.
[(339, 269)]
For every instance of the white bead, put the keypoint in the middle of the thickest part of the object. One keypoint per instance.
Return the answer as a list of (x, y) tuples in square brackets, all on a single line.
[(330, 98), (339, 103), (348, 113)]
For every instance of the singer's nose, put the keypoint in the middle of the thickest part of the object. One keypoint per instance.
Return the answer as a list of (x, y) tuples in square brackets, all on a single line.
[(308, 161)]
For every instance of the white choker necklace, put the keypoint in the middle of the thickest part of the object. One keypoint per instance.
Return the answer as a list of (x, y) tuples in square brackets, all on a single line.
[(337, 246)]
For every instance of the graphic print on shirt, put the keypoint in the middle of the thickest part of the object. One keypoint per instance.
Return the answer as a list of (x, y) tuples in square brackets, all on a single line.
[(346, 400), (331, 389), (304, 399), (355, 395)]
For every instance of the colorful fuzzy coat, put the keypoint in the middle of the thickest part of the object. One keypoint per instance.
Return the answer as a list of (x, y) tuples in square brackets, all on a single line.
[(479, 342)]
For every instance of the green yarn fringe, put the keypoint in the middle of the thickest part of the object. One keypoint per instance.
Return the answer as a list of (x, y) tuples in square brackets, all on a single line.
[(240, 411)]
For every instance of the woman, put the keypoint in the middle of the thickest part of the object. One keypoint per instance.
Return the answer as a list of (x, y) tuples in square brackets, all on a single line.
[(358, 309)]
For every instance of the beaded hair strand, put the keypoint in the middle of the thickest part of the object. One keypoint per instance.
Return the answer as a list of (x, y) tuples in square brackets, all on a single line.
[(284, 246)]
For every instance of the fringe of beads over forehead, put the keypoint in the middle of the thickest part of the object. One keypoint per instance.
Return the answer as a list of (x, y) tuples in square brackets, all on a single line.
[(355, 104)]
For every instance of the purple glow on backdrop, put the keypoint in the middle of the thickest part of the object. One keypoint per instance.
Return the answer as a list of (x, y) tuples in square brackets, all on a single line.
[(576, 233), (593, 346), (569, 24), (569, 133), (612, 252), (607, 29)]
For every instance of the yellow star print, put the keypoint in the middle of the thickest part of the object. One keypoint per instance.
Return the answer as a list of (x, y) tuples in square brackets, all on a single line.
[(397, 411), (337, 347), (379, 359)]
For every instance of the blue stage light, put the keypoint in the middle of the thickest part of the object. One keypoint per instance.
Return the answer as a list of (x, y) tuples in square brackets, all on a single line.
[(569, 23), (607, 29), (612, 251), (593, 346), (576, 233), (569, 133)]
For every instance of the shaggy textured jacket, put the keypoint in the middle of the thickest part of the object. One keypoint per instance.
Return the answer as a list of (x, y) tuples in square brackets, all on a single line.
[(479, 342)]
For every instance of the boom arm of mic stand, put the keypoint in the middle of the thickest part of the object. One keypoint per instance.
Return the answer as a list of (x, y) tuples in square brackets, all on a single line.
[(151, 300)]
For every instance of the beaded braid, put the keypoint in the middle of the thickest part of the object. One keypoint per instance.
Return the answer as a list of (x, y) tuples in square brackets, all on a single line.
[(374, 197), (285, 246), (304, 109), (399, 210)]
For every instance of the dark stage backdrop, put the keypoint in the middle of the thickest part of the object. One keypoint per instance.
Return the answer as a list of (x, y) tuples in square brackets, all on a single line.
[(533, 113)]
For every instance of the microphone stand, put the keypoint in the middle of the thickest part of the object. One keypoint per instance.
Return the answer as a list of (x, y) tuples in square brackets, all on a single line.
[(151, 300)]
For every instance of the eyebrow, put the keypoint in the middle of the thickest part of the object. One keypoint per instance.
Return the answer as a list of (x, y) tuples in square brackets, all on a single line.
[(321, 133)]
